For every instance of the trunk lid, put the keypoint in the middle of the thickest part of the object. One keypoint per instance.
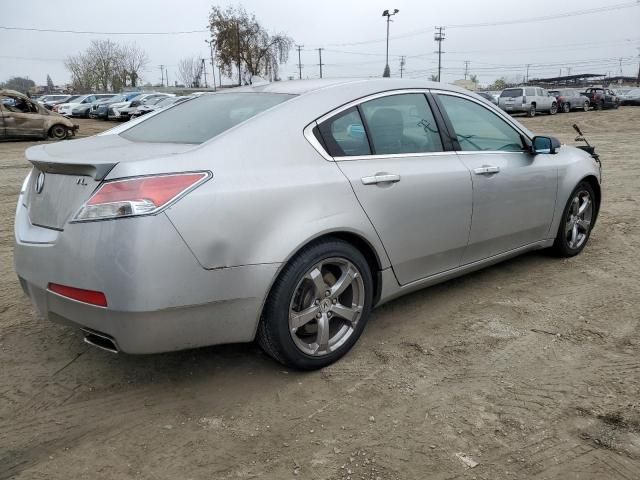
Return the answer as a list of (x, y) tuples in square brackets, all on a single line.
[(65, 174)]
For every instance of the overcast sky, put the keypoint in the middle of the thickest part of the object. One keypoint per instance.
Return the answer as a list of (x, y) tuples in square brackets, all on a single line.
[(592, 43)]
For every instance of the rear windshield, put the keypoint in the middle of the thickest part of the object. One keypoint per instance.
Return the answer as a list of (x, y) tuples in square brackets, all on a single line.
[(198, 120), (515, 92)]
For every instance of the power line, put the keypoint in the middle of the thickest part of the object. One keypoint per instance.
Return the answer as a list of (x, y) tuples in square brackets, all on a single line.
[(87, 32)]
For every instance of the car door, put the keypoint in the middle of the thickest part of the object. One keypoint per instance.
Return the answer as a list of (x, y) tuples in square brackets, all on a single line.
[(417, 196), (23, 120), (514, 192)]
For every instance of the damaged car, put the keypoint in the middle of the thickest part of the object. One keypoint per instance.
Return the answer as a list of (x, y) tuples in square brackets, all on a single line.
[(20, 117)]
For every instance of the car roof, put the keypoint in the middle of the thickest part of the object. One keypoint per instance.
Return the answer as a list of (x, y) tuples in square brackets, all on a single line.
[(305, 87)]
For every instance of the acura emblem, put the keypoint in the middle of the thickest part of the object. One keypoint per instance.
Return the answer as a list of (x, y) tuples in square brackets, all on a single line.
[(39, 185)]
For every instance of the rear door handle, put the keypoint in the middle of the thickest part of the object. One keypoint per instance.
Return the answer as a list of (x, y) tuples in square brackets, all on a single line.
[(381, 178), (486, 170)]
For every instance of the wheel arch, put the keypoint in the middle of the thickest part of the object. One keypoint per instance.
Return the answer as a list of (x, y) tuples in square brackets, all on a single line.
[(593, 182), (355, 239)]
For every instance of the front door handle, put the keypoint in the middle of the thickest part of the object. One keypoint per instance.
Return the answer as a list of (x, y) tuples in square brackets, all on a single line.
[(381, 178), (486, 170)]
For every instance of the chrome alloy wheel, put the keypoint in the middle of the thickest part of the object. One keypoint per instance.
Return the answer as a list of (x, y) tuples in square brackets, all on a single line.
[(578, 221), (326, 306)]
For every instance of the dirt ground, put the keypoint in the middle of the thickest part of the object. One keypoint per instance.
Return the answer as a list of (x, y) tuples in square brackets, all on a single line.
[(530, 368)]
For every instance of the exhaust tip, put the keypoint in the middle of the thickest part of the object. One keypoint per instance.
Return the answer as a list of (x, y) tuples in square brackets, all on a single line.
[(100, 340)]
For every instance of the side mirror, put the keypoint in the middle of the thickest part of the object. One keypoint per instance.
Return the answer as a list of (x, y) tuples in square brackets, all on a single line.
[(544, 145)]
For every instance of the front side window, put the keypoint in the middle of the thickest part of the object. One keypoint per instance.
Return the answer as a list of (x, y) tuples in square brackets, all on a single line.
[(344, 134), (479, 129), (202, 118), (401, 124)]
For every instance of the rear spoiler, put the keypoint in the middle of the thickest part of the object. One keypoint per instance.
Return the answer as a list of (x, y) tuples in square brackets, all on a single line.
[(97, 171)]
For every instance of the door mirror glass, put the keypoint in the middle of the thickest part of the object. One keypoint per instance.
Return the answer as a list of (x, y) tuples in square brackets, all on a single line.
[(543, 145)]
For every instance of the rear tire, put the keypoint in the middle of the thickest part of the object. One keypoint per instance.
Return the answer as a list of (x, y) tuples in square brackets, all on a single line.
[(577, 221), (532, 112), (318, 306), (58, 131)]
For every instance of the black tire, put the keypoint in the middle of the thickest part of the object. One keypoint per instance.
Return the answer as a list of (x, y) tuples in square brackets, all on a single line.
[(585, 107), (532, 111), (616, 105), (58, 131), (561, 246), (554, 109), (566, 107), (274, 334), (600, 105)]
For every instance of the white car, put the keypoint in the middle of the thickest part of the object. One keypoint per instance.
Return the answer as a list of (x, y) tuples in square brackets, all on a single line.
[(124, 110), (67, 108)]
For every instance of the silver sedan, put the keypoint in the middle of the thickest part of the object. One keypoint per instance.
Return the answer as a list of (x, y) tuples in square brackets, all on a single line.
[(286, 212)]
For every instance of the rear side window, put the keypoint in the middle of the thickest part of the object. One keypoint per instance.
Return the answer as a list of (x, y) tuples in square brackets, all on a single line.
[(198, 120), (511, 93), (400, 124), (531, 91), (344, 134)]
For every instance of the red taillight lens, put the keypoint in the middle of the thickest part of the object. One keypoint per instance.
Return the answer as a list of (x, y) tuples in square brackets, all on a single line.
[(79, 294), (138, 196)]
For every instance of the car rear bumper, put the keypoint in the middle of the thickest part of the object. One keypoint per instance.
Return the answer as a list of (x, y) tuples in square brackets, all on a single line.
[(159, 297)]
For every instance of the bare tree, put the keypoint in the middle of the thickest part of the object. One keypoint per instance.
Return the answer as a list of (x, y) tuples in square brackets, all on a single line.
[(243, 44), (105, 65), (134, 60), (190, 71)]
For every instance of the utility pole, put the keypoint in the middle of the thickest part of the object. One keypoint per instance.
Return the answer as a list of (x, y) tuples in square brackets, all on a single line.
[(162, 74), (204, 70), (166, 75), (403, 62), (213, 71), (299, 47), (439, 37), (638, 79), (239, 76), (388, 14), (320, 55), (466, 68), (527, 79)]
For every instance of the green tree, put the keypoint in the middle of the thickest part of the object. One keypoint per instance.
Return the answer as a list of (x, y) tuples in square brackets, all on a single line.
[(499, 84), (21, 84), (473, 78), (243, 44)]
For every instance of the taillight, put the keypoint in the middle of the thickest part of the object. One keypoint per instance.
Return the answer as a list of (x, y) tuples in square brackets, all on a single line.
[(79, 294), (138, 196), (524, 99)]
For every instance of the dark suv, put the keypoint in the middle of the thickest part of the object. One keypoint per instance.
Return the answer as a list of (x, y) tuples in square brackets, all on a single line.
[(600, 98)]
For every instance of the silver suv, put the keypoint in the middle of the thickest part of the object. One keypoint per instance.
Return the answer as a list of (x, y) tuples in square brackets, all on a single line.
[(529, 100)]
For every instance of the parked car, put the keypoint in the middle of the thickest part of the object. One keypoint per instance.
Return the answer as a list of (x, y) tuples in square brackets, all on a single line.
[(529, 100), (601, 98), (632, 97), (82, 110), (488, 96), (183, 230), (123, 110), (101, 110), (44, 100), (22, 118), (157, 104), (67, 107), (569, 99)]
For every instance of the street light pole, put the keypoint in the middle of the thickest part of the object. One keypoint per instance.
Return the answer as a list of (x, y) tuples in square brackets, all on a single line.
[(388, 14)]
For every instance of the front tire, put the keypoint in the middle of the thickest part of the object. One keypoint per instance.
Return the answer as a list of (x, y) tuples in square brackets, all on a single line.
[(318, 306), (585, 107), (554, 109), (577, 221), (566, 107), (59, 132)]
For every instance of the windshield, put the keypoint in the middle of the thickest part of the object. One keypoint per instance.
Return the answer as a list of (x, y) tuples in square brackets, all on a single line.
[(72, 99), (167, 101), (515, 92), (202, 118)]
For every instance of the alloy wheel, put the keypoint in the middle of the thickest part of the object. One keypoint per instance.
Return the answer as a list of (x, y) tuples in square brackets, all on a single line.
[(326, 306), (578, 221)]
